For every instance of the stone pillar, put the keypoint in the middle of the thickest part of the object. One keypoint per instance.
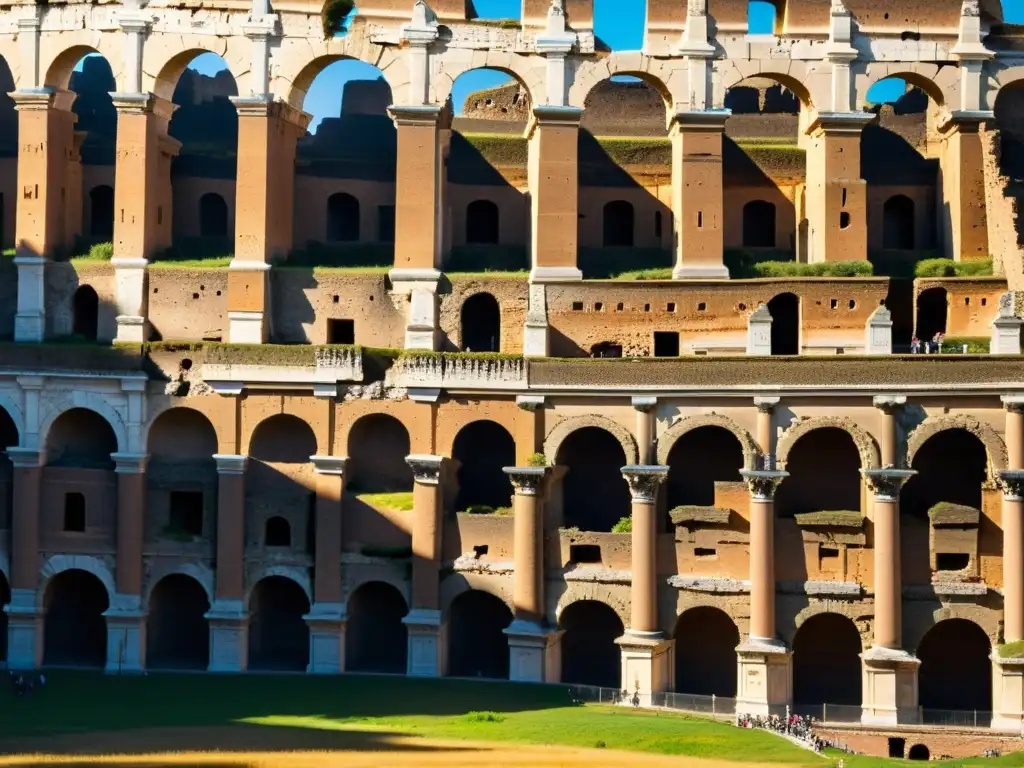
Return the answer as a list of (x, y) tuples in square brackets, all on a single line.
[(533, 647), (890, 673), (648, 662), (646, 418), (697, 194), (268, 131), (24, 614), (962, 213), (126, 616), (426, 626), (765, 436), (878, 333), (1006, 328), (326, 617), (553, 135), (836, 193), (765, 674), (45, 116), (418, 187), (1008, 674), (888, 407), (229, 615), (759, 332)]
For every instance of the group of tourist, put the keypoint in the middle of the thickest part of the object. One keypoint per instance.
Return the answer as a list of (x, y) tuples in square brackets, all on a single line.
[(795, 726), (928, 347), (23, 685)]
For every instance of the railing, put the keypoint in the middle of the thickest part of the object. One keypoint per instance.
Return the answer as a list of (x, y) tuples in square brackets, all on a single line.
[(956, 717)]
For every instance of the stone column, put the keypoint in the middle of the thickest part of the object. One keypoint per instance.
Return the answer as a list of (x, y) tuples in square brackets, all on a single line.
[(1008, 674), (765, 674), (426, 625), (533, 647), (229, 615), (963, 216), (326, 617), (890, 673), (126, 616), (697, 193), (24, 613), (765, 437), (888, 406), (268, 132), (647, 655), (646, 418), (553, 135)]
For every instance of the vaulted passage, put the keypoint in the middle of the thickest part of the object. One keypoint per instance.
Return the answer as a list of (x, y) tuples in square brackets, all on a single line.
[(824, 474), (74, 630), (706, 640), (826, 661), (342, 218), (932, 306), (955, 672), (589, 653), (482, 223), (376, 640), (698, 460), (785, 312), (278, 635), (85, 309), (483, 449), (177, 632), (480, 324), (80, 438), (951, 466), (594, 494), (477, 646), (758, 224)]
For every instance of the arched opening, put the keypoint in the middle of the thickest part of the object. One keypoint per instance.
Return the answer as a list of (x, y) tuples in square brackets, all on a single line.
[(101, 212), (281, 482), (590, 655), (477, 646), (85, 312), (898, 223), (377, 447), (8, 149), (955, 671), (181, 468), (594, 493), (618, 224), (177, 631), (824, 474), (706, 640), (74, 629), (482, 223), (699, 459), (932, 308), (278, 635), (213, 216), (785, 312), (951, 466), (918, 752), (342, 218), (759, 223), (5, 598), (826, 661), (277, 532), (483, 449), (376, 640), (80, 438), (481, 324), (283, 439)]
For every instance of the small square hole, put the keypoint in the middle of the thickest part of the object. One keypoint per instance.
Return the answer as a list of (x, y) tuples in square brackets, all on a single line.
[(335, 299), (666, 344), (827, 553), (853, 304), (984, 302), (598, 307), (702, 307), (619, 307), (74, 513), (480, 550), (584, 553), (967, 301), (186, 512), (647, 307), (577, 306), (833, 303), (705, 552), (340, 331), (670, 307), (951, 561)]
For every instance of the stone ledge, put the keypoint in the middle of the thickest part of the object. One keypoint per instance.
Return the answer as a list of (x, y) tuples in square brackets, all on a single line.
[(329, 366), (821, 588), (597, 574), (712, 584), (468, 562), (437, 371)]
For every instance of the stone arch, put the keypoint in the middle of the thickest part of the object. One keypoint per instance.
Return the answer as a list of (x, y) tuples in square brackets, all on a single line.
[(233, 51), (941, 85), (689, 423), (990, 621), (870, 457), (519, 68), (576, 592), (282, 438), (389, 576), (376, 640), (482, 449), (377, 446), (826, 660), (566, 427), (994, 445), (200, 572), (177, 630), (477, 644), (686, 600), (277, 605), (85, 305), (180, 416), (57, 564), (90, 401), (292, 83), (955, 670), (705, 651), (58, 69), (590, 655), (851, 610), (9, 404), (794, 80), (652, 71), (458, 584), (294, 573), (480, 323), (73, 605)]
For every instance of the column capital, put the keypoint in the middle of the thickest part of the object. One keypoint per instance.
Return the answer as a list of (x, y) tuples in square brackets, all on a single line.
[(763, 482), (530, 402), (230, 464), (426, 469), (135, 22), (644, 481), (886, 482), (142, 103), (129, 463), (414, 114), (766, 404), (1012, 483), (26, 458), (41, 99), (329, 465), (526, 480), (888, 403), (1013, 403), (644, 404)]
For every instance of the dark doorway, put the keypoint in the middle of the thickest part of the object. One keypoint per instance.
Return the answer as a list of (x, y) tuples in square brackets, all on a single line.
[(477, 646), (898, 223), (785, 312), (74, 630), (177, 632), (918, 752), (759, 224), (375, 637), (342, 218), (824, 474), (377, 447), (698, 460), (932, 307), (955, 672), (278, 635), (85, 309), (101, 211), (594, 493), (482, 223), (897, 747), (590, 655), (277, 533), (483, 449), (5, 598), (826, 661), (480, 324), (213, 216), (618, 223), (706, 640), (951, 466)]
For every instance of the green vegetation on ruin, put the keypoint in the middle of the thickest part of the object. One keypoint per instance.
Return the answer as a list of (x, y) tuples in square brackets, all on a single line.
[(97, 252), (946, 512), (624, 525), (485, 509), (976, 345), (830, 518), (742, 265), (1013, 650), (951, 268), (196, 253), (536, 460), (400, 501)]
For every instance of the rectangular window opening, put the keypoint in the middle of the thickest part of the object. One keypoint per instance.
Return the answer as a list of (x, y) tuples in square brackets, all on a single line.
[(670, 307), (666, 344), (577, 306), (828, 553), (186, 512), (584, 553), (951, 561), (74, 513), (341, 331), (700, 219), (705, 552)]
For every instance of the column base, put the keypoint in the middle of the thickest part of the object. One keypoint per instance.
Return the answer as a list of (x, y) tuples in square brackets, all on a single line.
[(246, 327), (326, 623), (30, 318), (648, 663), (889, 686), (229, 636), (132, 329), (126, 635), (421, 324), (707, 272), (764, 677), (555, 274), (427, 643), (534, 653), (1007, 694), (24, 630)]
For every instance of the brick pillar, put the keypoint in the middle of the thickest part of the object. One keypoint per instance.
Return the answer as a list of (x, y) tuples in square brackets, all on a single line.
[(268, 132), (697, 194), (229, 616), (126, 616), (141, 178), (765, 674), (553, 174), (836, 194), (326, 618), (427, 647), (24, 617), (46, 126), (963, 215)]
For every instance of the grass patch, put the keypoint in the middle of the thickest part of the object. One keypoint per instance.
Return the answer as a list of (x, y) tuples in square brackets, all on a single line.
[(976, 345), (625, 525), (98, 252), (1013, 650), (951, 268), (213, 262), (400, 501)]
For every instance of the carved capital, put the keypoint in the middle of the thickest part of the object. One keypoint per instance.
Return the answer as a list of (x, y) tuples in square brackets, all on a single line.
[(230, 464), (763, 482), (766, 404), (885, 483), (1012, 483), (1013, 403), (889, 403), (530, 402), (526, 480), (644, 404), (644, 481), (426, 469)]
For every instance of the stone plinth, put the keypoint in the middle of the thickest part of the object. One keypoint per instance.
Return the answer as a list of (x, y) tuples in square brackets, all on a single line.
[(428, 651), (759, 331), (534, 653), (126, 635), (1007, 694), (24, 630), (229, 636), (764, 681), (889, 687), (648, 663), (326, 622)]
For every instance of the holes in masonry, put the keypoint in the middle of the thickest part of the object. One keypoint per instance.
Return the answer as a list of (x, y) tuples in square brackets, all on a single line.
[(827, 553), (833, 303), (186, 364), (218, 293), (156, 291), (647, 307), (202, 287), (670, 307), (852, 304), (584, 553), (705, 552), (335, 298), (844, 197), (702, 307), (74, 513), (195, 295), (967, 301), (598, 307), (186, 511), (619, 307), (577, 306), (341, 331), (844, 220), (666, 344), (741, 307), (371, 298), (984, 302), (951, 561), (480, 550)]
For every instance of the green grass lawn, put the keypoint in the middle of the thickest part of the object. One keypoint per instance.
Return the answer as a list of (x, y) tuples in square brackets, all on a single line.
[(400, 500)]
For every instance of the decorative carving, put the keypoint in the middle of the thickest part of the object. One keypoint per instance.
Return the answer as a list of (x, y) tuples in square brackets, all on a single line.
[(766, 404), (425, 469), (763, 482), (526, 480), (644, 482), (970, 8), (885, 483), (1012, 483), (839, 8)]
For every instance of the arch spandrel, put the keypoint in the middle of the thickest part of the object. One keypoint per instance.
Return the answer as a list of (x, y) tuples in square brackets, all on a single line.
[(58, 56), (995, 447), (669, 438), (562, 430), (867, 447), (884, 15)]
